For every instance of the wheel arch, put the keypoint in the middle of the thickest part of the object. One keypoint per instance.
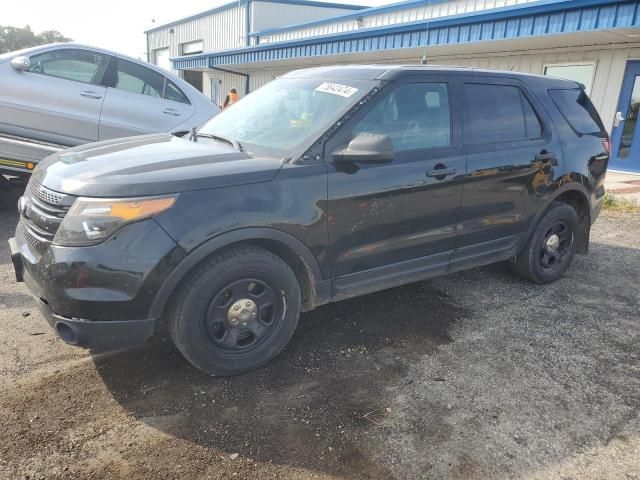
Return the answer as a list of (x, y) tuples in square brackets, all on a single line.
[(576, 195), (315, 290)]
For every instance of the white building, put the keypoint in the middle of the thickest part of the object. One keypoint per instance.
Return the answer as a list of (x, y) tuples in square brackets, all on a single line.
[(230, 26), (596, 42)]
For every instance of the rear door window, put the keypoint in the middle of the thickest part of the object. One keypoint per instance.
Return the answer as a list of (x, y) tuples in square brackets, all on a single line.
[(135, 78), (577, 109), (499, 113)]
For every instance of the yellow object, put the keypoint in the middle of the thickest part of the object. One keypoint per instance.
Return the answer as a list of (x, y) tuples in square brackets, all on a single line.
[(126, 209), (15, 163)]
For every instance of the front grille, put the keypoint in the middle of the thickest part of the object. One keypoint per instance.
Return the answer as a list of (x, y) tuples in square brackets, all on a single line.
[(41, 213), (48, 196), (33, 241)]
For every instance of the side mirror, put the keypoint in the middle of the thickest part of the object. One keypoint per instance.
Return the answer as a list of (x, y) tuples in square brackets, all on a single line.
[(20, 63), (366, 148)]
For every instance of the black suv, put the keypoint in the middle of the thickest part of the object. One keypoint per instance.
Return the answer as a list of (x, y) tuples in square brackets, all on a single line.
[(324, 184)]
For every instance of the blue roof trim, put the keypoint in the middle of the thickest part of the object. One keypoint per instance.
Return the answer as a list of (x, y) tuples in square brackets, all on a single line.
[(348, 16), (542, 18), (226, 6)]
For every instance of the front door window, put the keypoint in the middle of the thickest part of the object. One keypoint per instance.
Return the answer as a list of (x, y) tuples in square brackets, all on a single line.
[(70, 64), (415, 116)]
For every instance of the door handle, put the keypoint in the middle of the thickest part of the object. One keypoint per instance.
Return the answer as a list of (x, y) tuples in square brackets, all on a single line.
[(171, 111), (440, 172), (547, 157), (89, 94), (618, 119)]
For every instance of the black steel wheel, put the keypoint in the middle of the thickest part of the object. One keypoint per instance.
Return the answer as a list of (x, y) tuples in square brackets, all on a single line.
[(556, 245), (242, 316), (236, 312), (551, 247)]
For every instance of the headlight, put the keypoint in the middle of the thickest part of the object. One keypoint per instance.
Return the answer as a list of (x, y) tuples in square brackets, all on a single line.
[(93, 220)]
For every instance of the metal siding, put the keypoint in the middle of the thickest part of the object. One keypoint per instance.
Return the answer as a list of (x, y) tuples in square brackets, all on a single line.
[(625, 15), (371, 20), (527, 25), (265, 15), (222, 30)]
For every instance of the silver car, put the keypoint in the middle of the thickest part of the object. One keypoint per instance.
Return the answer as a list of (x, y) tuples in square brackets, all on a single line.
[(69, 94)]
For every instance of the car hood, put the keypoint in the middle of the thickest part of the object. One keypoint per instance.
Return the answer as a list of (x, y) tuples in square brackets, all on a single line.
[(150, 165)]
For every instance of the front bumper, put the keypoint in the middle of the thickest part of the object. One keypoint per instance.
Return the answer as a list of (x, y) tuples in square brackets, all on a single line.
[(97, 335), (99, 297), (16, 259)]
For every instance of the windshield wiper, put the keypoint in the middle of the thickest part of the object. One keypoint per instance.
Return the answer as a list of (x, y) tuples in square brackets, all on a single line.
[(221, 138)]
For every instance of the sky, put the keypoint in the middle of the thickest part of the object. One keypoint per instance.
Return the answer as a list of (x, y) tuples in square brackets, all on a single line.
[(116, 25)]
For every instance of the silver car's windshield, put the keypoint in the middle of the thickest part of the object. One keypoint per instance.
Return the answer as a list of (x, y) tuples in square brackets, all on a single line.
[(287, 115)]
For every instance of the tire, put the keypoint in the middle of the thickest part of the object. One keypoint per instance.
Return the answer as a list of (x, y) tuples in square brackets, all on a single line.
[(236, 311), (545, 258)]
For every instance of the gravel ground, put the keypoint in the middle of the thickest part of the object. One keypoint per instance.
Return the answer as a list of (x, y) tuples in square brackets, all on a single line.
[(472, 375)]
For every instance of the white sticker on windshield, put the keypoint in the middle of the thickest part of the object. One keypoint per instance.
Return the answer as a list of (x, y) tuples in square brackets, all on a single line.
[(337, 89)]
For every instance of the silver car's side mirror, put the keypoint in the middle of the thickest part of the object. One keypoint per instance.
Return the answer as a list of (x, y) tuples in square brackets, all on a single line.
[(20, 63)]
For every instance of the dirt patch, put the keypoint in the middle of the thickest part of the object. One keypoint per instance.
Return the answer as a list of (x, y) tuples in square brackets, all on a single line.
[(473, 375), (305, 410)]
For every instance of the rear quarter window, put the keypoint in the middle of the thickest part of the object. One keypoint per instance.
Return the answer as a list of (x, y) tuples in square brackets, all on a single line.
[(577, 109), (172, 92)]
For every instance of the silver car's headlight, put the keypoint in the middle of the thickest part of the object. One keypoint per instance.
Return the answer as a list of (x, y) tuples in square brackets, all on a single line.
[(93, 220)]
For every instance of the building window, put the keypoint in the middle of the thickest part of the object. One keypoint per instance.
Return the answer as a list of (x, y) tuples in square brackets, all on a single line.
[(578, 72), (161, 57), (192, 48)]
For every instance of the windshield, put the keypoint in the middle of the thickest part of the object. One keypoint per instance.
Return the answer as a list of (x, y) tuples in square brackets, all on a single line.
[(286, 116)]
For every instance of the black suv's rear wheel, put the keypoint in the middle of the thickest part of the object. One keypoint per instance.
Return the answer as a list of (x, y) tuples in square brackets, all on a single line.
[(551, 248), (236, 312)]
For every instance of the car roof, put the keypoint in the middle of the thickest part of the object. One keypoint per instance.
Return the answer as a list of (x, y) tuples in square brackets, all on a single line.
[(393, 72), (49, 46)]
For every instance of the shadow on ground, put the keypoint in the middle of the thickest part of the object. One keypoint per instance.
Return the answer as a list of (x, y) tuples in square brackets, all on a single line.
[(306, 408)]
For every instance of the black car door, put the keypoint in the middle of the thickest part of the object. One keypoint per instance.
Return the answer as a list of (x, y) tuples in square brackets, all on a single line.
[(394, 222), (512, 154)]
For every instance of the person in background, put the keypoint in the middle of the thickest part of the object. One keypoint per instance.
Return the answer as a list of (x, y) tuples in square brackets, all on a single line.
[(231, 98)]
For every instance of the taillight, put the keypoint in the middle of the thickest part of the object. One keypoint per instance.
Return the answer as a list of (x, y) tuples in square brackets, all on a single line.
[(606, 144)]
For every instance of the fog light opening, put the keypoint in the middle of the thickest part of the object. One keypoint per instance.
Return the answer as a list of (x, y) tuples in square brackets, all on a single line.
[(66, 333)]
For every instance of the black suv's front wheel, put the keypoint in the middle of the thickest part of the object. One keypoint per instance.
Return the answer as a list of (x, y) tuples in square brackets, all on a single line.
[(236, 312), (552, 246)]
